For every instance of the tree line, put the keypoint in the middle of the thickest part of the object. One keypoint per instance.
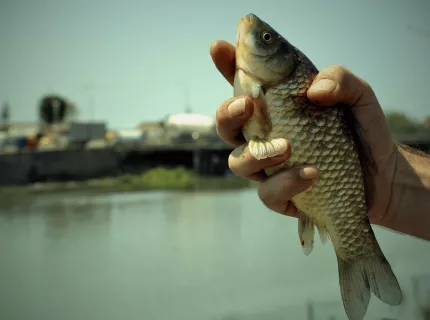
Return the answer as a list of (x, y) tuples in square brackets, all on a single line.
[(57, 109)]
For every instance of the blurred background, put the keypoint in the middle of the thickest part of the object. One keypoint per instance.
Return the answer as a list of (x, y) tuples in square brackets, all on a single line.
[(116, 201)]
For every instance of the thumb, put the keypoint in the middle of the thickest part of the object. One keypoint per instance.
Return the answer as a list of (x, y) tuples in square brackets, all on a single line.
[(335, 84)]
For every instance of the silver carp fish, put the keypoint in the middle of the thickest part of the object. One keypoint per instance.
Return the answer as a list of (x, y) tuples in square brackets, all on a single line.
[(276, 76)]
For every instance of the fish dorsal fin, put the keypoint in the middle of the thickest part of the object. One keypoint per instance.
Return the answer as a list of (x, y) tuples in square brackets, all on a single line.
[(368, 164)]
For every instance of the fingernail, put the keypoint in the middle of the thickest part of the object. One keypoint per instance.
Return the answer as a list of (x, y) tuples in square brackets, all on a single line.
[(324, 85), (236, 108), (308, 173)]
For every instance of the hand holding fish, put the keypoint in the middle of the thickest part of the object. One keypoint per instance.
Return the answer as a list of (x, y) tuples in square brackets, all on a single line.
[(322, 140), (331, 86), (276, 191)]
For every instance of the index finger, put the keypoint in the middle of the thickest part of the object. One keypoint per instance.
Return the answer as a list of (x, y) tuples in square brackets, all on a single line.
[(224, 56), (229, 125)]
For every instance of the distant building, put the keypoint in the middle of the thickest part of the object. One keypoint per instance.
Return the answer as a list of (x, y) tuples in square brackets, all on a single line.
[(189, 127), (23, 128), (190, 122), (144, 126), (129, 139)]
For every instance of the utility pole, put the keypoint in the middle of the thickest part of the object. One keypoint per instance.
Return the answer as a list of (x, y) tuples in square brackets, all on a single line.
[(187, 102), (5, 116), (89, 88), (5, 120), (186, 91)]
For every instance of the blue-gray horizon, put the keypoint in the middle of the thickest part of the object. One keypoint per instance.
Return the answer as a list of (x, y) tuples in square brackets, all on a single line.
[(130, 57)]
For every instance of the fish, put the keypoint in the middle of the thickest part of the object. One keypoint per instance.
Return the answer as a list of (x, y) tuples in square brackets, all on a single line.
[(276, 76)]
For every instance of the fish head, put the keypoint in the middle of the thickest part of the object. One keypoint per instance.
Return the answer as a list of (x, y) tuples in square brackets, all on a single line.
[(262, 52)]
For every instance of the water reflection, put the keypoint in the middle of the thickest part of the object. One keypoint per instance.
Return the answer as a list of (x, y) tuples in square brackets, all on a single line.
[(421, 294), (277, 313), (58, 213), (176, 255)]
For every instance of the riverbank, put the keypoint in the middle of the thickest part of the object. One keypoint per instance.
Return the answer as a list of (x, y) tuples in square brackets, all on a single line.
[(155, 179)]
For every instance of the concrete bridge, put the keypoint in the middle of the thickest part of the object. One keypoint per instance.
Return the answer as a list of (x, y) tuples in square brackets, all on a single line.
[(26, 166), (206, 158)]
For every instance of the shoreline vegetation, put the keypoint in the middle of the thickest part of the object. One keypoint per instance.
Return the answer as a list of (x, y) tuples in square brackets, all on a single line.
[(176, 179)]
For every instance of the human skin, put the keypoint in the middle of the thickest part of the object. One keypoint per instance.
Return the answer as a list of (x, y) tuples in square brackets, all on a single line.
[(401, 199)]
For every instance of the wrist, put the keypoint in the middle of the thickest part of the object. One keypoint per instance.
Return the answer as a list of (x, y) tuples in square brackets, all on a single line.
[(409, 209), (413, 168)]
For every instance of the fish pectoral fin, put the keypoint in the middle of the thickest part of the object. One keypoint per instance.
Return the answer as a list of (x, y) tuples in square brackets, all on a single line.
[(255, 89), (244, 84), (306, 233), (324, 235), (261, 149)]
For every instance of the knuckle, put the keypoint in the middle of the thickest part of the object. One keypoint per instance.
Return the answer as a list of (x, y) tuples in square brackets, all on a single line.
[(232, 164), (273, 201), (335, 71), (217, 129), (236, 162), (366, 85), (220, 113), (346, 76), (339, 69), (263, 195), (218, 132), (277, 191)]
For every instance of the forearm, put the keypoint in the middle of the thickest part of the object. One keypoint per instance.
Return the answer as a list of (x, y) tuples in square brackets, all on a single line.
[(409, 210)]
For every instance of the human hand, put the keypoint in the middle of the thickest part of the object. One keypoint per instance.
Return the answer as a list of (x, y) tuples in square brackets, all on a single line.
[(333, 85)]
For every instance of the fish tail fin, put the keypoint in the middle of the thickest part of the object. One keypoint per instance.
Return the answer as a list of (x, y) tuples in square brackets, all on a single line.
[(357, 278), (382, 280), (354, 288)]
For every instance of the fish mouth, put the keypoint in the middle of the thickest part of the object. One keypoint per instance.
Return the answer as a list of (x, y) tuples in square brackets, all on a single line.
[(249, 19), (245, 24)]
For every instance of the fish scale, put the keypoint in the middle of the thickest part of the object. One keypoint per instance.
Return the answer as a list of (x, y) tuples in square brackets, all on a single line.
[(317, 140), (276, 75)]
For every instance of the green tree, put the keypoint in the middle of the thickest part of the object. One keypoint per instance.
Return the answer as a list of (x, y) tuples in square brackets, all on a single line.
[(401, 123)]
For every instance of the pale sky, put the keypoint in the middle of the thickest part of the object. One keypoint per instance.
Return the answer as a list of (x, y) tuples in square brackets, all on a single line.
[(139, 54)]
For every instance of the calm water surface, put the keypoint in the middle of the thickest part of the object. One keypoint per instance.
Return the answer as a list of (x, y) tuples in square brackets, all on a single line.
[(163, 255)]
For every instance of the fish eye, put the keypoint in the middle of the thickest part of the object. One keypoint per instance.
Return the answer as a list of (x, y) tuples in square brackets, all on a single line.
[(267, 36)]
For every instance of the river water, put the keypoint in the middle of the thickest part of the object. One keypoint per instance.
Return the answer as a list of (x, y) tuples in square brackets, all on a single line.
[(176, 255)]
